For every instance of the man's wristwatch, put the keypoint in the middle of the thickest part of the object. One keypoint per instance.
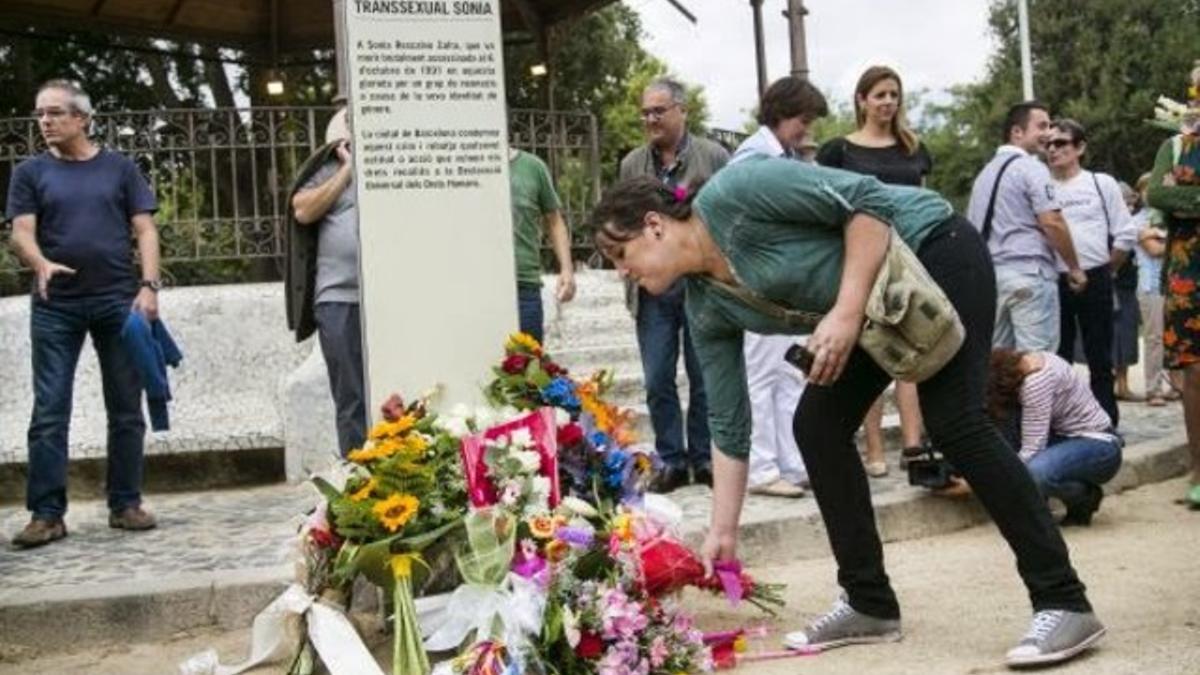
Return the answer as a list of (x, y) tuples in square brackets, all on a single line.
[(153, 284)]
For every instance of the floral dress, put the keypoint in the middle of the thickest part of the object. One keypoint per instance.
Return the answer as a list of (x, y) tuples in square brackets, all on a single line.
[(1179, 198)]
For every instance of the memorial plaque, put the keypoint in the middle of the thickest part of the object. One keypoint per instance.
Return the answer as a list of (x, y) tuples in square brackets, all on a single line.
[(431, 175)]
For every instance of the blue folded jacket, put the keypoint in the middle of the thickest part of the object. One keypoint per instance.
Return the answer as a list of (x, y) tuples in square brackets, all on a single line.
[(152, 350)]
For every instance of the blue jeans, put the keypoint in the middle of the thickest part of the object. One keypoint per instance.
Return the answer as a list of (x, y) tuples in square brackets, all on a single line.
[(661, 326), (1068, 465), (1027, 311), (57, 329), (529, 310)]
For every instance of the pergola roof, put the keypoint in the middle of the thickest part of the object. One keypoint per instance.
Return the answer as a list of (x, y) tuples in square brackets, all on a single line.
[(300, 24)]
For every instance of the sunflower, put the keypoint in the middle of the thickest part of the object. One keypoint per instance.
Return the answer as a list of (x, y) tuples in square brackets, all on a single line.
[(415, 444), (396, 510), (365, 491), (385, 429), (368, 454), (523, 341)]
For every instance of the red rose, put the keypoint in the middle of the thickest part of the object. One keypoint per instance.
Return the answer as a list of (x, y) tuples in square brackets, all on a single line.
[(569, 435), (323, 538), (590, 646), (553, 369), (668, 566), (515, 364)]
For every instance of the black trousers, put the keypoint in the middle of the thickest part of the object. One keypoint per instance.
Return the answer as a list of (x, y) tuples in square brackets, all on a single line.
[(952, 403), (1092, 312), (340, 335)]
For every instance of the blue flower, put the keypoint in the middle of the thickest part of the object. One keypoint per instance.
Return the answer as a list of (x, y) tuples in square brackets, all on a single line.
[(561, 394), (599, 440)]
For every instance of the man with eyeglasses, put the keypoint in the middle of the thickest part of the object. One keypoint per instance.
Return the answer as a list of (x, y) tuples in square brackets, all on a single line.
[(1103, 233), (77, 211), (1014, 204), (683, 162)]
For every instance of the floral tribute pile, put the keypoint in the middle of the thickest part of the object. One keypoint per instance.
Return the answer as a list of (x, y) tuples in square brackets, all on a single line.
[(534, 507)]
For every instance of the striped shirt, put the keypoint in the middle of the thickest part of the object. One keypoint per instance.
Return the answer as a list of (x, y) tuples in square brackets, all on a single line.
[(1056, 401)]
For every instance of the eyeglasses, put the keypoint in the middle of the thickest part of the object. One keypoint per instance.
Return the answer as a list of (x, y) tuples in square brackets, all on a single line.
[(52, 113), (657, 111), (1060, 143)]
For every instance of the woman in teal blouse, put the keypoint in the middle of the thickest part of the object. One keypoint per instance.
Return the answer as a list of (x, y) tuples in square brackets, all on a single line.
[(813, 239)]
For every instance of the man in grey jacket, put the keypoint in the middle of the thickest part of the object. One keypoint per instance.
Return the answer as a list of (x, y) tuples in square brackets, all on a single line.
[(682, 162)]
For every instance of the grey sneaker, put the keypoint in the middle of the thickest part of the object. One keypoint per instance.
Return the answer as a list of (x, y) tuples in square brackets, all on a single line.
[(1055, 635), (843, 625)]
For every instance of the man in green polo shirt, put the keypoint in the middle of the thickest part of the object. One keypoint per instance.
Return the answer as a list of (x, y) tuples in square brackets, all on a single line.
[(536, 208)]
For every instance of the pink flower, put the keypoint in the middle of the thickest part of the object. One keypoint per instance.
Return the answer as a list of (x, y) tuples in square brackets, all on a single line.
[(620, 616), (659, 652)]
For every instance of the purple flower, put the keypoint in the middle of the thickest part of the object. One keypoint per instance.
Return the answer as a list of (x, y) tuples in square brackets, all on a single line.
[(576, 537)]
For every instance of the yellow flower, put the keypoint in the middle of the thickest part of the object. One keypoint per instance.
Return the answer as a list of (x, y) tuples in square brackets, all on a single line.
[(542, 527), (523, 341), (415, 444), (623, 526), (385, 429), (739, 644), (368, 454), (556, 550), (396, 510), (365, 491)]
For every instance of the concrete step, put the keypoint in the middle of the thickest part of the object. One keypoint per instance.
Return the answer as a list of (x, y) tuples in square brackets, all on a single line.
[(219, 557)]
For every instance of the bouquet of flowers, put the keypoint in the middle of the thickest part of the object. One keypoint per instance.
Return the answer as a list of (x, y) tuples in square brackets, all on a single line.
[(528, 378), (404, 493)]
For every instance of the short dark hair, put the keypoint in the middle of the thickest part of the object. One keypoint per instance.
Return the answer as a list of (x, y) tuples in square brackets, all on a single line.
[(1072, 128), (620, 215), (1018, 116), (788, 97)]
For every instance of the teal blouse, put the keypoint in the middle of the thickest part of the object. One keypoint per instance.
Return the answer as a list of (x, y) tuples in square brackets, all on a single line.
[(779, 224)]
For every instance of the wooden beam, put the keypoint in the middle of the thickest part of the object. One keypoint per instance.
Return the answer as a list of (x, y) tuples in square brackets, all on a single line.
[(173, 14)]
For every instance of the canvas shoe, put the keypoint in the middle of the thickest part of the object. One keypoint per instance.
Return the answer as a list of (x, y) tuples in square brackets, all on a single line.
[(1055, 635), (843, 625)]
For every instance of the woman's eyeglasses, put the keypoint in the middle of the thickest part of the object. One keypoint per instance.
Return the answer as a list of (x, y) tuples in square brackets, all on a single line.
[(1059, 143)]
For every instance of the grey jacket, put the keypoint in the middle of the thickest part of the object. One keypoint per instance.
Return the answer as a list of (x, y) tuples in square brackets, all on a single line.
[(698, 161)]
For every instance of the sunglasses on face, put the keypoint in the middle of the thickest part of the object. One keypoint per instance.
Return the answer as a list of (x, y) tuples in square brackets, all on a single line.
[(1060, 143)]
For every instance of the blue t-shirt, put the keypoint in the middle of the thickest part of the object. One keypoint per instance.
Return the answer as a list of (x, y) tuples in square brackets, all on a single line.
[(83, 211)]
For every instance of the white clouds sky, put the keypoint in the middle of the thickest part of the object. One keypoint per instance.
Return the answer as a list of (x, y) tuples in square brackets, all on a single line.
[(932, 43)]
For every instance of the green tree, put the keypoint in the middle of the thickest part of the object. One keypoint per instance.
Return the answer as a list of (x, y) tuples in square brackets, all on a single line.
[(1102, 62)]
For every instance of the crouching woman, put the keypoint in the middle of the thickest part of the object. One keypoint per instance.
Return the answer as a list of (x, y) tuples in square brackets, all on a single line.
[(813, 239), (1067, 439)]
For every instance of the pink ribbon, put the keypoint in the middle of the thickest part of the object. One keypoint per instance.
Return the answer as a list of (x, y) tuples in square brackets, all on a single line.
[(729, 573)]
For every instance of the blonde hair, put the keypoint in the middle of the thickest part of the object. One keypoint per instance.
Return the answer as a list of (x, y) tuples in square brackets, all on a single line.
[(871, 77)]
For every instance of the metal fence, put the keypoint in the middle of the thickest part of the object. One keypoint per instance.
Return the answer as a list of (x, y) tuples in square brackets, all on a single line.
[(222, 175)]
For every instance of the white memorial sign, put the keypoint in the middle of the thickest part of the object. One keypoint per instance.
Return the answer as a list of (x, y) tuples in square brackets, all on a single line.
[(430, 153)]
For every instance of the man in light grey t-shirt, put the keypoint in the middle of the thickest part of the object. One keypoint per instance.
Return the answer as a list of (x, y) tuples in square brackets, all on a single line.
[(327, 201), (1023, 233)]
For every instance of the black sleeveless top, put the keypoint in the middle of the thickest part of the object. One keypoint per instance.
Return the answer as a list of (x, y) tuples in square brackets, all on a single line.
[(889, 164)]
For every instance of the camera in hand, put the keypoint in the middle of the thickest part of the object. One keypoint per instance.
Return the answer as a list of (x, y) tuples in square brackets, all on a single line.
[(800, 357), (930, 470)]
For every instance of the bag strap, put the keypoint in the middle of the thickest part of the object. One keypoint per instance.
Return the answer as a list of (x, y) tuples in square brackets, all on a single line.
[(991, 208), (1103, 205), (765, 306)]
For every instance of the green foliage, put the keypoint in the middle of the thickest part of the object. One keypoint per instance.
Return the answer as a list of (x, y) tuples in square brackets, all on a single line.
[(1102, 62)]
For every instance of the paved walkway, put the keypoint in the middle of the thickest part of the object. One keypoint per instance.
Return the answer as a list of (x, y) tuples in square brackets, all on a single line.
[(254, 528)]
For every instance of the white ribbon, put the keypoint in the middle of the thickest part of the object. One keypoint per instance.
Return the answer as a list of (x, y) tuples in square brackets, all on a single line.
[(517, 604), (276, 634)]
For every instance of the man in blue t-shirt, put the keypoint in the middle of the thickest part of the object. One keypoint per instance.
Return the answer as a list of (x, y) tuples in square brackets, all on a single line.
[(76, 211)]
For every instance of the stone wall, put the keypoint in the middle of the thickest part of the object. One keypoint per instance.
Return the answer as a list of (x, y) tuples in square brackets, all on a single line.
[(237, 351)]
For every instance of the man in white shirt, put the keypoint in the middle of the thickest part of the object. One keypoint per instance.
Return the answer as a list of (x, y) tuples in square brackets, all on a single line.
[(787, 108), (1104, 233)]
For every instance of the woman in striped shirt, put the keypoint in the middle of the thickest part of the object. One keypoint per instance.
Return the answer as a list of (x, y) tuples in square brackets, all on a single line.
[(1066, 438)]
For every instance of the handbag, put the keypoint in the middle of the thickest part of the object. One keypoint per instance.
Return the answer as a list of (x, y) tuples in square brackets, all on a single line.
[(911, 330)]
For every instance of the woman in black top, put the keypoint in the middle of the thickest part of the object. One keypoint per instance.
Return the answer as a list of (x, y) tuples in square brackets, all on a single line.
[(883, 146)]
